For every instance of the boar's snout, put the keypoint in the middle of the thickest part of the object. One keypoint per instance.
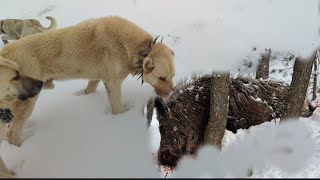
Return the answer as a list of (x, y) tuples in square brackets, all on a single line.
[(167, 159)]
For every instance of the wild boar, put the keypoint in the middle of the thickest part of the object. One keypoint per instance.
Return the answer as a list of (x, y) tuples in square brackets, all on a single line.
[(184, 115)]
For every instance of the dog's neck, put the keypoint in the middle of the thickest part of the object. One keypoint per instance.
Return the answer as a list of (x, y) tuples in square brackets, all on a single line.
[(138, 67), (142, 54)]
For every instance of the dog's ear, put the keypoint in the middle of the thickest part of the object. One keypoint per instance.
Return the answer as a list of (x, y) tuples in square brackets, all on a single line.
[(7, 63), (312, 106), (148, 65)]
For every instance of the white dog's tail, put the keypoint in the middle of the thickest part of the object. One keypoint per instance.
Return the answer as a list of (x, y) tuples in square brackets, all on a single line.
[(53, 24)]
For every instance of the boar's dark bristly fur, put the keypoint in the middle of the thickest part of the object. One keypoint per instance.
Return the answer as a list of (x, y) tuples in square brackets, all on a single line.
[(183, 124), (184, 116)]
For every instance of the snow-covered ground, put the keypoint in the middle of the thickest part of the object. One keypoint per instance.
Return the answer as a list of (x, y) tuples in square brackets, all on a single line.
[(77, 136)]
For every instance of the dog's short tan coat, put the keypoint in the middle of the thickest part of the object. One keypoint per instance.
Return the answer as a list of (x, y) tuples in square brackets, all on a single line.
[(14, 29), (13, 86), (106, 49)]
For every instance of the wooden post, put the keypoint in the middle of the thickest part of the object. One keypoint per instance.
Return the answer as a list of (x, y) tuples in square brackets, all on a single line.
[(298, 88), (218, 109), (263, 67)]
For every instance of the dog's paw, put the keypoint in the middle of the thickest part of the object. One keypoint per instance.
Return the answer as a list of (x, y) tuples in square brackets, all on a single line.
[(89, 91), (118, 111), (79, 93), (16, 142), (7, 175), (14, 139), (83, 92), (124, 109)]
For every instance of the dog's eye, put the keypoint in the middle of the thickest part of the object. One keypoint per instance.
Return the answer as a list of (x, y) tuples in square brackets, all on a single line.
[(162, 78), (17, 77)]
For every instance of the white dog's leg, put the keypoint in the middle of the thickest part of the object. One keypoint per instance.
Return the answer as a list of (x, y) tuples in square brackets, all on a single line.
[(3, 127), (114, 93), (4, 171), (92, 86)]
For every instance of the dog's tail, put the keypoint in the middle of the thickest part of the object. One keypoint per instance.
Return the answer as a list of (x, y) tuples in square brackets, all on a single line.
[(53, 24)]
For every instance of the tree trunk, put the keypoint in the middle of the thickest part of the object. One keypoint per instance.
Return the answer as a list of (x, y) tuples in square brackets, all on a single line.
[(219, 109), (315, 79), (263, 67), (298, 88)]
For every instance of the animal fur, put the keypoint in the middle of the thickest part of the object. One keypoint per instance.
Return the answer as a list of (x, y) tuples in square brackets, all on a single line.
[(14, 29), (184, 115), (13, 87), (107, 49)]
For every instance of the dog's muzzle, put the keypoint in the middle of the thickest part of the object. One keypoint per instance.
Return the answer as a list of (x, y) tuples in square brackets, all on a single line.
[(6, 115)]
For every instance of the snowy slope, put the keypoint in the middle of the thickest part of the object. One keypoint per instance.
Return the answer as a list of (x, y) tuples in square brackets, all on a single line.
[(77, 136)]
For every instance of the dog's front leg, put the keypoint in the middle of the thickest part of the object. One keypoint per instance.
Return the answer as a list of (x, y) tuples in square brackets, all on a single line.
[(3, 127), (4, 171), (114, 94), (21, 111)]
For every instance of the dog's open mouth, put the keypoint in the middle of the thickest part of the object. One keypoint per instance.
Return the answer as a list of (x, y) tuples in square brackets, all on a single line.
[(6, 115)]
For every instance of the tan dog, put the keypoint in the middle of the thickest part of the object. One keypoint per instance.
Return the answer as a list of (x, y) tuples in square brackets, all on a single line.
[(14, 29), (107, 49), (13, 87)]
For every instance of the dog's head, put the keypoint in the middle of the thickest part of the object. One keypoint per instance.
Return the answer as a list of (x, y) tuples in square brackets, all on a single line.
[(15, 86), (158, 69)]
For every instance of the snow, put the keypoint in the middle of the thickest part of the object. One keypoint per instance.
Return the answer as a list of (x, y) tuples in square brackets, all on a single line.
[(271, 150), (77, 136), (190, 88), (206, 36), (256, 99), (197, 97)]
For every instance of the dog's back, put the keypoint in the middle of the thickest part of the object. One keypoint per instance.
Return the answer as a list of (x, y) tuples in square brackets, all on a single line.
[(18, 28), (82, 45)]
